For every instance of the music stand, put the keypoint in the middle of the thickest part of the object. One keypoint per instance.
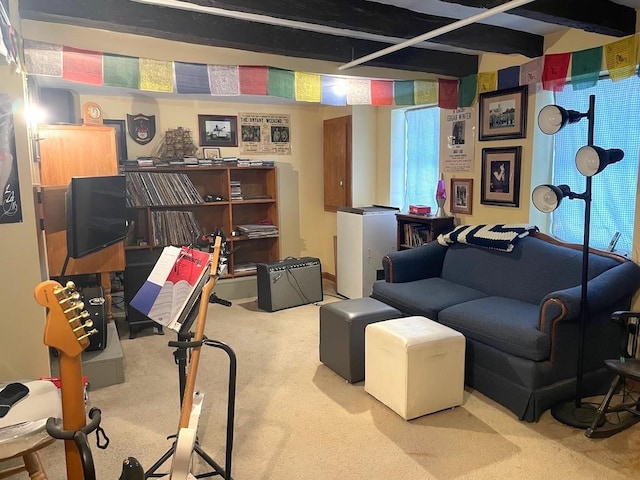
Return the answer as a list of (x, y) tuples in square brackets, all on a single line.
[(183, 346)]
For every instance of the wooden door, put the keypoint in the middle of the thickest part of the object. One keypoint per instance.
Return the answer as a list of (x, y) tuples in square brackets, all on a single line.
[(337, 163)]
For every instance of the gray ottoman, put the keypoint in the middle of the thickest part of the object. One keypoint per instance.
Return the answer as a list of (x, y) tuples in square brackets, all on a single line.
[(342, 326)]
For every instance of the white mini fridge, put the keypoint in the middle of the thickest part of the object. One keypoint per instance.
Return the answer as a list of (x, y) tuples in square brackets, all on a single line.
[(365, 236)]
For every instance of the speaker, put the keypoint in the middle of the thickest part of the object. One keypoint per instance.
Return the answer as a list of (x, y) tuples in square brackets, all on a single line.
[(137, 269), (289, 283)]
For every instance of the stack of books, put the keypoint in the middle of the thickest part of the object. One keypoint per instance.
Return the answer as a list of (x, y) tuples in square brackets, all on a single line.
[(258, 230)]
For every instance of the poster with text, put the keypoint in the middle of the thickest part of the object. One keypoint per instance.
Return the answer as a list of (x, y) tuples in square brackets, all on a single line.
[(11, 211), (261, 133), (457, 131)]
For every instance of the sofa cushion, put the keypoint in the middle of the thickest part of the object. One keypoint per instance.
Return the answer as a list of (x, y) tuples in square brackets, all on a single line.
[(534, 268), (424, 297), (504, 323)]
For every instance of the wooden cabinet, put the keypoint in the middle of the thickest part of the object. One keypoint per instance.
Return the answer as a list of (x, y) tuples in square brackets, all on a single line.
[(75, 151), (415, 230), (239, 196)]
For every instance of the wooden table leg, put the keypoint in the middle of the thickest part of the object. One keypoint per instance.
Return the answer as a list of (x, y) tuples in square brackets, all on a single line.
[(105, 283), (33, 466)]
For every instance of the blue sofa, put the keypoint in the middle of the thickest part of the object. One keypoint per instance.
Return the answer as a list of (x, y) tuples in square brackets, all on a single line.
[(519, 312)]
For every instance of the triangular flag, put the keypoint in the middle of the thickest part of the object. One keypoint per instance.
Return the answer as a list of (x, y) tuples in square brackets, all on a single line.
[(82, 66), (425, 92), (43, 58), (381, 92), (358, 91), (585, 68), (447, 93), (487, 82), (121, 71), (403, 93), (509, 77), (308, 87), (156, 75), (334, 90), (253, 80), (467, 90), (224, 79), (280, 83), (621, 57), (554, 72)]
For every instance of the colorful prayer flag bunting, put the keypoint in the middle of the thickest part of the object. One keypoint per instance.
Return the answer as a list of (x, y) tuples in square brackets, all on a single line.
[(425, 92), (82, 66), (585, 68), (509, 77), (403, 92), (467, 90), (253, 80), (622, 57), (224, 79), (447, 93), (381, 92), (334, 90), (308, 87), (280, 83), (554, 72), (192, 78), (156, 75), (121, 71), (358, 91)]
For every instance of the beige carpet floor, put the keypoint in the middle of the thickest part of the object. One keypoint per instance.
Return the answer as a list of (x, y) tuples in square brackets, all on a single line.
[(296, 419)]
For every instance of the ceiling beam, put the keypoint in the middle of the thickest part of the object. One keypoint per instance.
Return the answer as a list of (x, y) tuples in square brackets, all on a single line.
[(178, 25), (597, 16), (388, 21)]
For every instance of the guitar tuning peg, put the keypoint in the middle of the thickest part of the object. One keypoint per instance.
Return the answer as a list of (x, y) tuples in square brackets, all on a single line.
[(75, 296), (70, 285), (88, 334), (83, 314), (88, 324), (75, 306)]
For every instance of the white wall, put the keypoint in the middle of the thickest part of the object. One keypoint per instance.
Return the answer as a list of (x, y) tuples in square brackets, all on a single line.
[(23, 354)]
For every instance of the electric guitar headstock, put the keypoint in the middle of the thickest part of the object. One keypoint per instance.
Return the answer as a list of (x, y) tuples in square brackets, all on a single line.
[(68, 324)]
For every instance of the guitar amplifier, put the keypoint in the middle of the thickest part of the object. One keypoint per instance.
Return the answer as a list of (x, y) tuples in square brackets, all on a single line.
[(289, 283), (94, 304)]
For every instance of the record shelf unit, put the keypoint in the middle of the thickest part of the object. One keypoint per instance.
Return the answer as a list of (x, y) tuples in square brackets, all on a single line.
[(225, 197)]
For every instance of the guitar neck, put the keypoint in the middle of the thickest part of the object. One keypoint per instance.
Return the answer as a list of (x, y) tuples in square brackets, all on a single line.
[(73, 411), (187, 399)]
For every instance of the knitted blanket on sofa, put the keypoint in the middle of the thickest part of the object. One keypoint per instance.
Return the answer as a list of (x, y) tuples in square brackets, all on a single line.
[(497, 236)]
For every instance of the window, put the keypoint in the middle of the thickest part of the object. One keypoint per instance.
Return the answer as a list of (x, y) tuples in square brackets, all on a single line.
[(614, 189), (415, 135)]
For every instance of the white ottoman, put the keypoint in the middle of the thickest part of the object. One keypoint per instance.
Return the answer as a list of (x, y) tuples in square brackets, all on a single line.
[(414, 365)]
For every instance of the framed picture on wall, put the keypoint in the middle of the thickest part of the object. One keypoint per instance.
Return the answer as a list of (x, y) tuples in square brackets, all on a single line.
[(501, 176), (121, 137), (211, 153), (503, 114), (462, 195), (218, 131)]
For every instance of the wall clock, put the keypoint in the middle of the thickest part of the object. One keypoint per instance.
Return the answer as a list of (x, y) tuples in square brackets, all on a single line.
[(92, 113)]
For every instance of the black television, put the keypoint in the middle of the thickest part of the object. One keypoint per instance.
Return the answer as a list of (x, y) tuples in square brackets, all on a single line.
[(96, 213)]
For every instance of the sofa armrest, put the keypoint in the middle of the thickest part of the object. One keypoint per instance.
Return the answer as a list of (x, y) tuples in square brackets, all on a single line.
[(603, 292), (415, 263)]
